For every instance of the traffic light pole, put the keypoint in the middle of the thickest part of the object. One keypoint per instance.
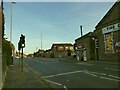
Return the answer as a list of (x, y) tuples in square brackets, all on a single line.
[(19, 58), (22, 61), (21, 45)]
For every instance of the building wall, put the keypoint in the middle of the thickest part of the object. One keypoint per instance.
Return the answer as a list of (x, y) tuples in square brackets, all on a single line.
[(88, 44), (111, 18), (60, 50)]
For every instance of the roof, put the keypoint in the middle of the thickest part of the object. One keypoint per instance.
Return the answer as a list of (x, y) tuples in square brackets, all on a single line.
[(108, 13), (62, 44), (85, 36)]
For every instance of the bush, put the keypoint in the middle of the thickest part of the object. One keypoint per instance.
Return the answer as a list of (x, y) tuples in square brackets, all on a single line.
[(7, 52), (52, 55)]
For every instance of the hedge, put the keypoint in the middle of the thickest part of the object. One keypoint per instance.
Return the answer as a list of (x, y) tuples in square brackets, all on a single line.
[(7, 52)]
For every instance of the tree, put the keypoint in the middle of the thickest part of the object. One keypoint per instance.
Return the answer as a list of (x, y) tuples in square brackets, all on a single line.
[(69, 52)]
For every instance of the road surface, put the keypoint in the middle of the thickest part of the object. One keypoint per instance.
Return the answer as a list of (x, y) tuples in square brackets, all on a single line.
[(74, 75)]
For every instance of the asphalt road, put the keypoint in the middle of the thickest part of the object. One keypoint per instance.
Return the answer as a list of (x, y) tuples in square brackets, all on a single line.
[(74, 75)]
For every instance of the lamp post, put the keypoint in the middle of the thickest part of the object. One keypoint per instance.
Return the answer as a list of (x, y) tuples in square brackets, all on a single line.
[(10, 22), (11, 30)]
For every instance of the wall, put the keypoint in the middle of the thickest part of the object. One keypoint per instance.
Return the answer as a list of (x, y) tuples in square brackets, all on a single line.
[(88, 44), (112, 17)]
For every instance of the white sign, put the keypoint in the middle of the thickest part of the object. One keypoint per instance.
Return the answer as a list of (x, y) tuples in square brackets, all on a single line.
[(111, 28)]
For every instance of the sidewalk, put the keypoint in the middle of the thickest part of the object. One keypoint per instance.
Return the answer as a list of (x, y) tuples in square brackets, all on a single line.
[(26, 79), (113, 64)]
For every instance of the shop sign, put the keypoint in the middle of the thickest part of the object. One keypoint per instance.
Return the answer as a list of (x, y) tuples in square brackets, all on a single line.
[(111, 28)]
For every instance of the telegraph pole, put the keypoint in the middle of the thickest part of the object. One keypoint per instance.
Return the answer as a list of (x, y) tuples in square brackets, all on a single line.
[(11, 30), (81, 30), (10, 22), (41, 41), (41, 46)]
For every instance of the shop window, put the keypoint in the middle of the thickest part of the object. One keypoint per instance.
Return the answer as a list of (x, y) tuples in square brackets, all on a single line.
[(109, 44)]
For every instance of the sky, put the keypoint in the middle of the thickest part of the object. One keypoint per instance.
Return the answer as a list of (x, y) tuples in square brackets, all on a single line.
[(55, 22)]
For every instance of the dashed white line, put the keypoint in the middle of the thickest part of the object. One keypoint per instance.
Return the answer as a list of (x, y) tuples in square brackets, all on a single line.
[(103, 73), (109, 79), (114, 76), (84, 64), (113, 69), (94, 72), (90, 73)]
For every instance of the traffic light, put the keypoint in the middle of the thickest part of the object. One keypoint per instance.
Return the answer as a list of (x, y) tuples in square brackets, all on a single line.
[(22, 40), (19, 45)]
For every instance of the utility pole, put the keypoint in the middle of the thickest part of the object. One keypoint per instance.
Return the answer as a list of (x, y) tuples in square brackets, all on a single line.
[(81, 30), (11, 22), (11, 31), (41, 41), (41, 46)]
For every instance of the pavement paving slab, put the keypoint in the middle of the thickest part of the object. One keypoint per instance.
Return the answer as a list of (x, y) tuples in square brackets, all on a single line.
[(15, 78)]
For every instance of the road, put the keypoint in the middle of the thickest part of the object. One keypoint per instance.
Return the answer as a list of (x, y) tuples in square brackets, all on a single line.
[(74, 75)]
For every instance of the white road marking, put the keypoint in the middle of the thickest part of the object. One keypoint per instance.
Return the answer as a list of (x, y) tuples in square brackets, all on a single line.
[(113, 69), (65, 87), (57, 84), (114, 76), (63, 74), (103, 73), (54, 82), (48, 76), (84, 64), (90, 74), (94, 72), (109, 79)]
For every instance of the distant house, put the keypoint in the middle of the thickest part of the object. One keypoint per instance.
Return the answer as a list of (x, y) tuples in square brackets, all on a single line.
[(48, 53), (62, 49), (19, 55), (39, 53)]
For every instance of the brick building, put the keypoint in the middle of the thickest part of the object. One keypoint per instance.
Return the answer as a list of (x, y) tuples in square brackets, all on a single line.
[(84, 47), (62, 49), (108, 34)]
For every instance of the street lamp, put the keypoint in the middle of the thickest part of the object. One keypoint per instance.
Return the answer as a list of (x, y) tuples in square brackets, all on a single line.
[(11, 20), (11, 29)]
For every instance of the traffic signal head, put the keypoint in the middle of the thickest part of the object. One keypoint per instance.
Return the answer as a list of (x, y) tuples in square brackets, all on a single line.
[(19, 45), (22, 40)]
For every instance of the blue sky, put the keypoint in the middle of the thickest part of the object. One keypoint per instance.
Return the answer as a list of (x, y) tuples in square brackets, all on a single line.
[(58, 22)]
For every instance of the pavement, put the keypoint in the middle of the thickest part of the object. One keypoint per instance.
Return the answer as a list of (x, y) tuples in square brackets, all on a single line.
[(112, 64), (15, 78)]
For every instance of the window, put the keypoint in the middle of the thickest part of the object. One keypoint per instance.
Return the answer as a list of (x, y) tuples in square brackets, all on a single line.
[(108, 39)]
